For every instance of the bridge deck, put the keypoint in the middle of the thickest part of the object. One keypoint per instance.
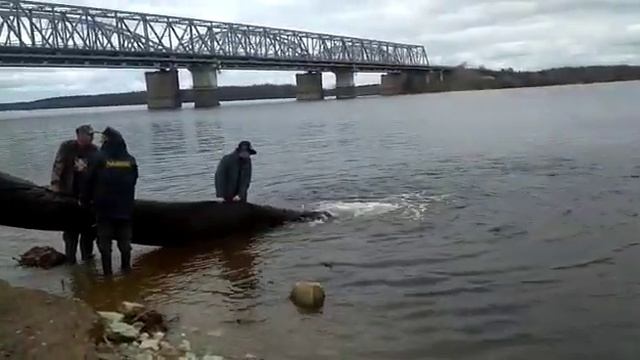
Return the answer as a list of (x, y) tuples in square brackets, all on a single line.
[(45, 34)]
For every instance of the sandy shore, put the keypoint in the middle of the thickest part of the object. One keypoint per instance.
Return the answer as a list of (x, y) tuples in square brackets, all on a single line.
[(38, 325)]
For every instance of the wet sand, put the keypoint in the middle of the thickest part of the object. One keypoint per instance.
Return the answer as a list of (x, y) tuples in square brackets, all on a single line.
[(38, 325)]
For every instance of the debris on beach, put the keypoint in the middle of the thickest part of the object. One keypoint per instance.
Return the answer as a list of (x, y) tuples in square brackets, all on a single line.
[(131, 309), (136, 332), (44, 257)]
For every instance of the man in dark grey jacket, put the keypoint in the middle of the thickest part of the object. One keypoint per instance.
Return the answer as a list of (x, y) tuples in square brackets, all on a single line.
[(233, 175), (67, 177)]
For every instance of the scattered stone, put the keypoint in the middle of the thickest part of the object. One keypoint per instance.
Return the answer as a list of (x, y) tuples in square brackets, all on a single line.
[(153, 322), (110, 316), (189, 356), (120, 332), (131, 310), (142, 337), (150, 344), (145, 356), (167, 350), (308, 295), (185, 346), (107, 356), (44, 257)]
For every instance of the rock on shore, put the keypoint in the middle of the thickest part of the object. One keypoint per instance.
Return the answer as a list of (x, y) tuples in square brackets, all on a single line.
[(37, 325)]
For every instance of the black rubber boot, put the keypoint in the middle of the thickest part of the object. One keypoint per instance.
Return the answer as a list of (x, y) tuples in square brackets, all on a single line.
[(86, 245), (106, 266), (126, 261), (70, 246)]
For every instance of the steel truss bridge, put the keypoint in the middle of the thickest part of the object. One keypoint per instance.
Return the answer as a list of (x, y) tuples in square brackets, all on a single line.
[(53, 35)]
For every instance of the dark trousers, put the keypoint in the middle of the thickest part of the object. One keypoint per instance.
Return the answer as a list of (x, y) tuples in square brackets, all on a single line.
[(86, 244), (119, 230)]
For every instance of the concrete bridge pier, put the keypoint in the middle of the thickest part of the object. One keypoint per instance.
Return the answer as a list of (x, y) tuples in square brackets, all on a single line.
[(393, 83), (437, 81), (417, 82), (345, 84), (163, 89), (205, 86), (309, 86), (410, 82)]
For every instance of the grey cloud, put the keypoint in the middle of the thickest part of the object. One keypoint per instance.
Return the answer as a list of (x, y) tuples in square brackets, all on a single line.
[(596, 6), (523, 34)]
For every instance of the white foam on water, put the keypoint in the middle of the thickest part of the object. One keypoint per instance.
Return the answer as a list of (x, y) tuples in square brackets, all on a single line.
[(410, 205), (317, 222), (356, 208)]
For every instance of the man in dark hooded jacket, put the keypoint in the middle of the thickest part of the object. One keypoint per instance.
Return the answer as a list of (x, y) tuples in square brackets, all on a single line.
[(110, 188), (233, 175)]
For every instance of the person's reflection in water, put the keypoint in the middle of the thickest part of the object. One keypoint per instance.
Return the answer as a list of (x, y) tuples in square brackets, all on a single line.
[(161, 275)]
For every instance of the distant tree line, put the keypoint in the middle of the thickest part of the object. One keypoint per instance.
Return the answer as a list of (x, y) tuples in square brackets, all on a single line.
[(225, 93), (460, 78), (463, 78)]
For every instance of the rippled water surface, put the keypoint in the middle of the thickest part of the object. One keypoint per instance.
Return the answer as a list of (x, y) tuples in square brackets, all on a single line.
[(473, 225)]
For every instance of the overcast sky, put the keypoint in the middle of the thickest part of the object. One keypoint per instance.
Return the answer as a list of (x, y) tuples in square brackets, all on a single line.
[(526, 34)]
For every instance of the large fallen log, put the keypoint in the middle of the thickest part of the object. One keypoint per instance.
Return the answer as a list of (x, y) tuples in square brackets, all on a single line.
[(27, 205)]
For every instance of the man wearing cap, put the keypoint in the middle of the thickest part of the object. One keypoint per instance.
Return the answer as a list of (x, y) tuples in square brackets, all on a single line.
[(233, 175), (69, 171)]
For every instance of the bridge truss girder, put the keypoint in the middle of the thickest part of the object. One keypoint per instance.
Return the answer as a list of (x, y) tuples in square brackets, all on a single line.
[(42, 34)]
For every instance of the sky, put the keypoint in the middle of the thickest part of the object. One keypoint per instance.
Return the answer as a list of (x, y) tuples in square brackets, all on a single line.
[(521, 34)]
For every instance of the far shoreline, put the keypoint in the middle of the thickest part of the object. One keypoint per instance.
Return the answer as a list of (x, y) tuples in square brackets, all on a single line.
[(461, 79)]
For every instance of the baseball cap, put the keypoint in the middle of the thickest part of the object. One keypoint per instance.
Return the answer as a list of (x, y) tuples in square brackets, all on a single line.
[(247, 145), (85, 129)]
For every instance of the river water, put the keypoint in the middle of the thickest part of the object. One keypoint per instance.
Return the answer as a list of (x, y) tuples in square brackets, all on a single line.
[(472, 225)]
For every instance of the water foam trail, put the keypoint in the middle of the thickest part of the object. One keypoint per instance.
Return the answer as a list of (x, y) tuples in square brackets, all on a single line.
[(409, 205), (357, 208)]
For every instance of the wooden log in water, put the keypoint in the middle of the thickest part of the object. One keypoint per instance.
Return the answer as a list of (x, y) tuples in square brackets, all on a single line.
[(26, 205)]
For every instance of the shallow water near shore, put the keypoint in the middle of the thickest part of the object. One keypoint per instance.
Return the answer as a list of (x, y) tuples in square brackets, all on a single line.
[(479, 225)]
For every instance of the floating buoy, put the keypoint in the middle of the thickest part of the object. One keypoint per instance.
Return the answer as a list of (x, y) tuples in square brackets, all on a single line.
[(308, 295)]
